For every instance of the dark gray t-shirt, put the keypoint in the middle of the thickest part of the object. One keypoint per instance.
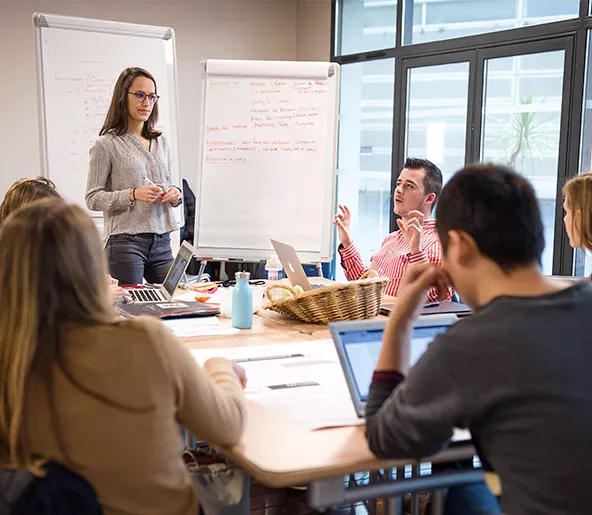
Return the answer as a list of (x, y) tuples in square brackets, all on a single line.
[(518, 374)]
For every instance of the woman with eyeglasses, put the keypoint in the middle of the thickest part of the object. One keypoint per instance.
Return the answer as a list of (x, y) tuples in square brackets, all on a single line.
[(130, 181)]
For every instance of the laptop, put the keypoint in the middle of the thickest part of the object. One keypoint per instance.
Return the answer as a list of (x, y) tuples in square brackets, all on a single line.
[(436, 308), (157, 300), (292, 266), (160, 293), (358, 345)]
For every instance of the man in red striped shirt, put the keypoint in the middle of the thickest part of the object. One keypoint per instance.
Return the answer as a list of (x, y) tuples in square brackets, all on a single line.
[(418, 187)]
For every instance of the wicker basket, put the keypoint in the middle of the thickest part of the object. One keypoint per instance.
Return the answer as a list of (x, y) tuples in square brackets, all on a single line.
[(354, 300)]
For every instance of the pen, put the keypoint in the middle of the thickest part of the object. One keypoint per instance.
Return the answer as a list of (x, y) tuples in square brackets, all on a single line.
[(162, 193), (431, 304)]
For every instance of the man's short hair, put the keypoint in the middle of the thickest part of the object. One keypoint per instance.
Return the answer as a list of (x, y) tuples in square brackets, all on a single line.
[(432, 181), (499, 209)]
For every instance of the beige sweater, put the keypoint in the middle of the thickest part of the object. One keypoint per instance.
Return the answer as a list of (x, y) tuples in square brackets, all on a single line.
[(133, 458)]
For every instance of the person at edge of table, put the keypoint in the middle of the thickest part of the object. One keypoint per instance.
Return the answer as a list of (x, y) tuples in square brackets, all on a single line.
[(577, 204), (418, 187), (516, 373), (26, 190), (101, 396)]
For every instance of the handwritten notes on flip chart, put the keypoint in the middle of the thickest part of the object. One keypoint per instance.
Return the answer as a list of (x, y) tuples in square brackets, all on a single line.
[(265, 150), (273, 106), (88, 94)]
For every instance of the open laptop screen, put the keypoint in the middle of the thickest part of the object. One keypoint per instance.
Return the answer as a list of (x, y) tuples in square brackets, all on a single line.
[(178, 268), (362, 348)]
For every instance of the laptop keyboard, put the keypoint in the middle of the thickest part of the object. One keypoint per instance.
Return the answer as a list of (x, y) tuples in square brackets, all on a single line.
[(146, 295)]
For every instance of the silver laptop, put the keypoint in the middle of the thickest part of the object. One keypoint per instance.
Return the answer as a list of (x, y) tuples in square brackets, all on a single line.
[(292, 266), (358, 345), (165, 291)]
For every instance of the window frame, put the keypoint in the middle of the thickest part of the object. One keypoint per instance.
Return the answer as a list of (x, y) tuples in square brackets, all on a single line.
[(569, 35)]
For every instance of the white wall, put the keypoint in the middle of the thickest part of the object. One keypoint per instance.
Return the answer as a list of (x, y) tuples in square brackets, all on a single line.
[(204, 29), (313, 30)]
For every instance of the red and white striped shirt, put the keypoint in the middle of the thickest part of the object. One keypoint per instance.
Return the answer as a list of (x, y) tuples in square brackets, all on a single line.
[(393, 257)]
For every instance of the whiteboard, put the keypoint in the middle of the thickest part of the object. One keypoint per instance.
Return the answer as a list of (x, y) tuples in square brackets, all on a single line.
[(268, 145), (78, 62)]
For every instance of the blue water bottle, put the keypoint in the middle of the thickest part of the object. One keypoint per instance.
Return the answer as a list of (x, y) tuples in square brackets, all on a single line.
[(242, 302)]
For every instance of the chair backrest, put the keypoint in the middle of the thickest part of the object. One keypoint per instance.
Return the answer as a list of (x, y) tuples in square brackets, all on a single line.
[(59, 492)]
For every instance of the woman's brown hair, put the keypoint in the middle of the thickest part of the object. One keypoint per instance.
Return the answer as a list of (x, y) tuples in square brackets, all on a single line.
[(25, 191), (53, 275), (578, 196), (117, 116)]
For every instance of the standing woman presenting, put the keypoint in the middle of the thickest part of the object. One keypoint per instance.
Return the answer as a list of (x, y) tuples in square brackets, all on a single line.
[(129, 180)]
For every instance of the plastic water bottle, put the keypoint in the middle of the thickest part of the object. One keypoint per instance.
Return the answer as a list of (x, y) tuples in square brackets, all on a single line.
[(273, 269), (242, 302)]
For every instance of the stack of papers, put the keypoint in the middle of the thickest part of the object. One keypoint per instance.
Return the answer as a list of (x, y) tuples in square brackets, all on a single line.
[(302, 381)]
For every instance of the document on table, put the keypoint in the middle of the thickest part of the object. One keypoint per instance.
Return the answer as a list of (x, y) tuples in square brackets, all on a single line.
[(303, 381), (198, 326)]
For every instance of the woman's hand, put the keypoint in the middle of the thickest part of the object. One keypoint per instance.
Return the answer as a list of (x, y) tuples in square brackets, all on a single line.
[(171, 195), (147, 193), (241, 374), (114, 289)]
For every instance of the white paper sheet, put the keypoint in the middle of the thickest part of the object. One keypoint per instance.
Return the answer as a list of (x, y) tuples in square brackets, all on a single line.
[(301, 380), (198, 326)]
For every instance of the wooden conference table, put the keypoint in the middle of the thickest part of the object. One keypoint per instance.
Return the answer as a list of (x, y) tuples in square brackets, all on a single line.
[(278, 453)]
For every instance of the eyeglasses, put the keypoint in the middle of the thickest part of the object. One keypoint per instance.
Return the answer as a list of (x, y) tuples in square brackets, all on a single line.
[(141, 96)]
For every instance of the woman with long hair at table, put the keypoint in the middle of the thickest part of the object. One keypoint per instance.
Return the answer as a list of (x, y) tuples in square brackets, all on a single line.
[(27, 190), (102, 396), (577, 204)]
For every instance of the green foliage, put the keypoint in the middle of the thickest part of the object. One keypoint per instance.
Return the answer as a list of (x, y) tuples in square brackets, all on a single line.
[(526, 136)]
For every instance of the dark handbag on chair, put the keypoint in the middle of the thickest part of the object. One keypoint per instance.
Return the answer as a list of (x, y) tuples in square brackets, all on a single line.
[(59, 492)]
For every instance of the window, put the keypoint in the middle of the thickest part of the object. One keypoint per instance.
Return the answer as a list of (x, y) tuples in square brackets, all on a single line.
[(583, 258), (521, 125), (435, 20), (508, 97), (436, 118), (365, 26), (365, 151)]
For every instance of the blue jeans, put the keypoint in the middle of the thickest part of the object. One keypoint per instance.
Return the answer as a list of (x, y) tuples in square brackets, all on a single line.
[(474, 499), (132, 257)]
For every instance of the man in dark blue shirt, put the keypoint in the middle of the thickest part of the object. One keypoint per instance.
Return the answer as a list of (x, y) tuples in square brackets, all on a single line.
[(516, 372)]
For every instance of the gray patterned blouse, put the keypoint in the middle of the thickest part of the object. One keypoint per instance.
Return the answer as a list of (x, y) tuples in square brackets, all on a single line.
[(117, 165)]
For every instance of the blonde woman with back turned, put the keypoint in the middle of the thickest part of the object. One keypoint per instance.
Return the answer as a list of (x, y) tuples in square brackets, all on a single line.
[(26, 190), (103, 397)]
